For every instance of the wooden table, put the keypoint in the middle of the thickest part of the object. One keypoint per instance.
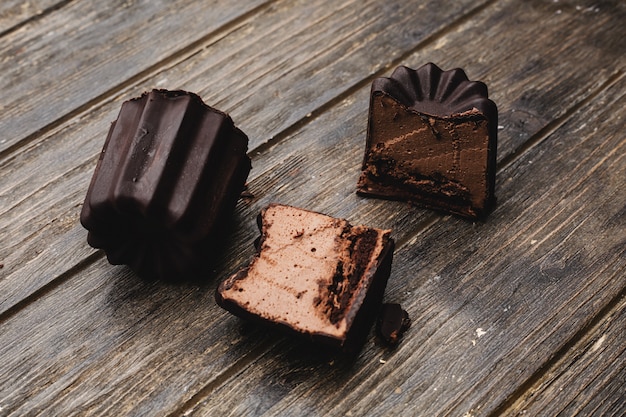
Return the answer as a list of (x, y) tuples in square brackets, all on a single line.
[(523, 314)]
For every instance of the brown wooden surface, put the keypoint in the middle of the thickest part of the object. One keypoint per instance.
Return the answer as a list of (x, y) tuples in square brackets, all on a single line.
[(521, 315), (16, 13)]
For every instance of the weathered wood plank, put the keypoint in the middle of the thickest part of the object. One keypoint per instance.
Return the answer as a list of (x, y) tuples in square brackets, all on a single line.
[(186, 371), (53, 172), (26, 185), (491, 302), (55, 65), (115, 321), (106, 342), (589, 380), (16, 12)]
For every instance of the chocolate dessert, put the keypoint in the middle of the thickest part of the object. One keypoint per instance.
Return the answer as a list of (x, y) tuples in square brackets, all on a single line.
[(167, 181), (431, 140), (313, 275)]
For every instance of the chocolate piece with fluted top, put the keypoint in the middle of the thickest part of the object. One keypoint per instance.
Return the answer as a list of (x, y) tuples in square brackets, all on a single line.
[(431, 140), (314, 276), (167, 181)]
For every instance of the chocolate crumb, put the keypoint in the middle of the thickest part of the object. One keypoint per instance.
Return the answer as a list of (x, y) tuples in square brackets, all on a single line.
[(245, 193), (392, 323)]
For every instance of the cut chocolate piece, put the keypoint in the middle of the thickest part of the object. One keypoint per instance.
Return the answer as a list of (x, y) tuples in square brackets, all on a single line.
[(167, 181), (313, 275), (431, 140), (392, 324)]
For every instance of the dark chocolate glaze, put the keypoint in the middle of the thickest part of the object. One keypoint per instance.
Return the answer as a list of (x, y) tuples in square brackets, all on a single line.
[(435, 92), (370, 307), (168, 178)]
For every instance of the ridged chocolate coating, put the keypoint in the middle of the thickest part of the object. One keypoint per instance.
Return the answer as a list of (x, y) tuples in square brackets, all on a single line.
[(169, 176), (435, 92), (432, 139)]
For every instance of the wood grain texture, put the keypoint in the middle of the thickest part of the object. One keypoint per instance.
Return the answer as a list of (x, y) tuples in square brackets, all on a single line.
[(102, 351), (14, 13), (496, 307), (490, 302), (56, 65), (581, 383), (54, 171)]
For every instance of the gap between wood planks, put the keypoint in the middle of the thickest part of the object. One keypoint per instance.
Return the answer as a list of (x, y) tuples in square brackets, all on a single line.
[(554, 124), (35, 17), (429, 221), (174, 59), (53, 284), (228, 373), (577, 343)]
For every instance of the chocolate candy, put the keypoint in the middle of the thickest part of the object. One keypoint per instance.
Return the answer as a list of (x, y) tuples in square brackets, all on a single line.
[(431, 140), (166, 183), (313, 275)]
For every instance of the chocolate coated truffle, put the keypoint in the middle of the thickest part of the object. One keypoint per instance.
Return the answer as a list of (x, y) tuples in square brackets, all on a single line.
[(167, 181), (313, 275), (431, 140)]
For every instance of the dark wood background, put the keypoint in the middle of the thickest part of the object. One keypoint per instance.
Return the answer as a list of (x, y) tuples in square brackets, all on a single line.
[(521, 315)]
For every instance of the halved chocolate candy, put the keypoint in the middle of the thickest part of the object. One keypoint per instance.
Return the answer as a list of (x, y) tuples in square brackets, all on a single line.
[(431, 140), (313, 275)]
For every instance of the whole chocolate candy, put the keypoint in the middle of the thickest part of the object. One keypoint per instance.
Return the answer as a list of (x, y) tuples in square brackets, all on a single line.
[(167, 181)]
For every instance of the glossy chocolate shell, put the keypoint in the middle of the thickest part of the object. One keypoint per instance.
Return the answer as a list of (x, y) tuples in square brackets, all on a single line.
[(167, 181)]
